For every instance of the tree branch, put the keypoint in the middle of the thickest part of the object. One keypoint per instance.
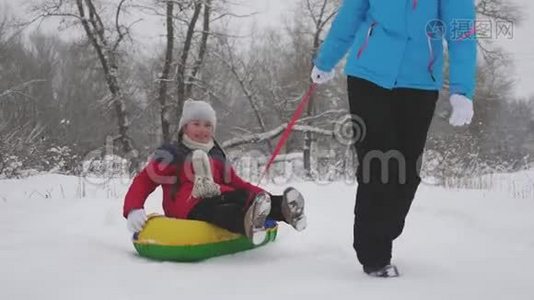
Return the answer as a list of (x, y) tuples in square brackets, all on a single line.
[(267, 136), (182, 64), (118, 27), (164, 78), (203, 45), (16, 89)]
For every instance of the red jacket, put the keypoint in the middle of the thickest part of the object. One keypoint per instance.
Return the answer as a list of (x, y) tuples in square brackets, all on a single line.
[(170, 162)]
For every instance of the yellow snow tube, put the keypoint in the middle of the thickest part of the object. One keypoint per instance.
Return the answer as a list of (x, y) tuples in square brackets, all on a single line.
[(170, 239)]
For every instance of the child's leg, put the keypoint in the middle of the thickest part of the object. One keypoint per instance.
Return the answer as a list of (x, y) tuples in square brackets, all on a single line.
[(226, 211), (256, 216), (276, 208), (289, 208)]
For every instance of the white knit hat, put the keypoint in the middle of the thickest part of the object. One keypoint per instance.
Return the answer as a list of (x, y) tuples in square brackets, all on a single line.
[(197, 110)]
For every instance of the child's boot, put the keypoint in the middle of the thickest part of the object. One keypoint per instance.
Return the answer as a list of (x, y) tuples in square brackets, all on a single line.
[(255, 218), (293, 209)]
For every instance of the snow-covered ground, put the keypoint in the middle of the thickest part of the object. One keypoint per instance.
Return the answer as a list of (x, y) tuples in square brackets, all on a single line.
[(458, 244)]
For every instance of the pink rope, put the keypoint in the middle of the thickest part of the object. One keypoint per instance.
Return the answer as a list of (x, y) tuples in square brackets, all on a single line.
[(289, 128)]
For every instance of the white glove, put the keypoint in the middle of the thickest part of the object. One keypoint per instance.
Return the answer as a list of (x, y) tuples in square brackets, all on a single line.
[(321, 77), (136, 220), (204, 186), (462, 110)]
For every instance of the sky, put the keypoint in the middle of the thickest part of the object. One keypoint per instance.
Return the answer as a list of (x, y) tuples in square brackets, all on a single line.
[(272, 13)]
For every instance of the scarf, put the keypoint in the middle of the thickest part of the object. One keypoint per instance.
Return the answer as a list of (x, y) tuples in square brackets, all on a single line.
[(189, 143)]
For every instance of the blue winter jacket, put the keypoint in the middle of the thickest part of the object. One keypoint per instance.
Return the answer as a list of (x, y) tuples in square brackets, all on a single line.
[(399, 43)]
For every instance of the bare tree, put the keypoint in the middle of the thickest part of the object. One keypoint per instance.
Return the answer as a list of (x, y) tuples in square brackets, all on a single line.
[(500, 10), (185, 52), (105, 40), (188, 64), (9, 41), (497, 11), (486, 142), (321, 13), (202, 48), (245, 75), (164, 78), (18, 89)]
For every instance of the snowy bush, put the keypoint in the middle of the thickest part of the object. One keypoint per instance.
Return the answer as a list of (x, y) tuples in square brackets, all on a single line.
[(109, 166), (11, 167), (61, 160)]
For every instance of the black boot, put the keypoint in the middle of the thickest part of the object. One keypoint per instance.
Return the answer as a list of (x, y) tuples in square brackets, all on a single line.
[(385, 271)]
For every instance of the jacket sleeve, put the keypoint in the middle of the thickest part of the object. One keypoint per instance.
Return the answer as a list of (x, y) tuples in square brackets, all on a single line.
[(339, 39), (460, 20), (160, 170)]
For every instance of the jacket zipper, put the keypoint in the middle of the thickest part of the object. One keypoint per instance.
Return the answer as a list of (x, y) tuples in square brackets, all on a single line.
[(366, 42)]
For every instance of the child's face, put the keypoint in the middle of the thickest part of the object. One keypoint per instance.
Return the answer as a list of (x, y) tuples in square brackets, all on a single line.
[(199, 131)]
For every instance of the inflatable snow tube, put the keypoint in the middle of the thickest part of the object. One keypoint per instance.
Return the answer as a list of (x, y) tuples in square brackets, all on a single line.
[(168, 239)]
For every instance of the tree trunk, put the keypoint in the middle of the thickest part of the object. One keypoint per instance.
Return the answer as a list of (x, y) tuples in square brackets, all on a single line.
[(203, 47), (309, 137), (182, 65), (320, 21), (94, 29), (163, 83)]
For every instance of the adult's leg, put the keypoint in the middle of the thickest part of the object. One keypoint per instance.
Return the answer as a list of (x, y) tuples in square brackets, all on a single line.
[(415, 111), (377, 172)]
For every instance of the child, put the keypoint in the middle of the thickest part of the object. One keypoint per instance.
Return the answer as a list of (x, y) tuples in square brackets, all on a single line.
[(198, 183)]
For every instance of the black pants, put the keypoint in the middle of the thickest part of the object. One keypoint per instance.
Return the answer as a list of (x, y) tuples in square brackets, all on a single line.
[(228, 210), (396, 123)]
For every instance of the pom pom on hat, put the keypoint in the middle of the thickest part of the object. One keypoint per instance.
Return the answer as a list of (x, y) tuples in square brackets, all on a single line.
[(197, 110)]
